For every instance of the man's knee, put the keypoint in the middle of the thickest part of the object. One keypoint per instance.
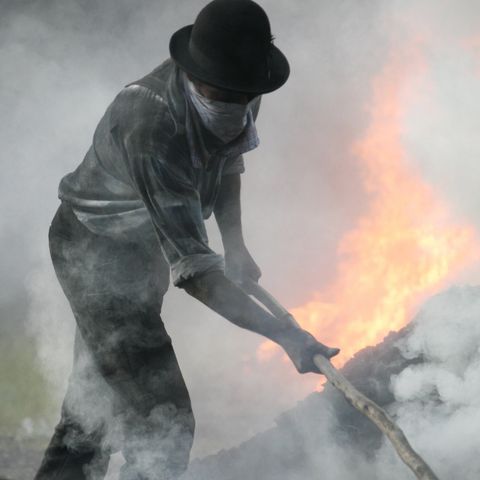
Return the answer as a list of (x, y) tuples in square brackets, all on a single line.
[(159, 447)]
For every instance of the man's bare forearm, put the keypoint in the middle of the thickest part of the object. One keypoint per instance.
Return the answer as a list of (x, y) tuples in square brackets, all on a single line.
[(224, 297), (227, 299)]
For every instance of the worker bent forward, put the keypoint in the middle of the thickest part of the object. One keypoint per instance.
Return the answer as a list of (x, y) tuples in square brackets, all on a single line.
[(166, 154)]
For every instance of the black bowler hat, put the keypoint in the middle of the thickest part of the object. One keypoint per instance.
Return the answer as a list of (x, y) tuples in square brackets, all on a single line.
[(230, 46)]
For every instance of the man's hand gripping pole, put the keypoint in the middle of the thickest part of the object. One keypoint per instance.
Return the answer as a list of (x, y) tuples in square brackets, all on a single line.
[(358, 401)]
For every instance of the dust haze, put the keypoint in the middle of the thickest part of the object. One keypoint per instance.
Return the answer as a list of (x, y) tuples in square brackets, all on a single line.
[(62, 63)]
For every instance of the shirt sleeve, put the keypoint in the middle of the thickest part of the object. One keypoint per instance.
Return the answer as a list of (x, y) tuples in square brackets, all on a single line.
[(234, 165), (174, 205)]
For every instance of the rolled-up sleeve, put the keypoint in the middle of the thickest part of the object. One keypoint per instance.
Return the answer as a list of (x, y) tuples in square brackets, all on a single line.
[(234, 165), (174, 207)]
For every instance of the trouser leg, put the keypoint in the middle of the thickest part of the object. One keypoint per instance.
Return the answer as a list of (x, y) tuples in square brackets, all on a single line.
[(157, 442), (62, 463), (115, 294), (137, 360), (76, 450)]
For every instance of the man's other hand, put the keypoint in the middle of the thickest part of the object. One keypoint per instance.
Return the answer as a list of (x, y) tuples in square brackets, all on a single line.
[(240, 266)]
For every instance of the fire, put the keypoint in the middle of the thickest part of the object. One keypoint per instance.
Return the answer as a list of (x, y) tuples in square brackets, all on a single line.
[(404, 248)]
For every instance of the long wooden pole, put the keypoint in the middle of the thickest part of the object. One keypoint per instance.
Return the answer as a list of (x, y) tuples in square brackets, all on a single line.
[(357, 399), (379, 417)]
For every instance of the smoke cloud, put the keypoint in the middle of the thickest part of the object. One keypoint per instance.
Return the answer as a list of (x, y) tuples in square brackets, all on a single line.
[(63, 63), (438, 401)]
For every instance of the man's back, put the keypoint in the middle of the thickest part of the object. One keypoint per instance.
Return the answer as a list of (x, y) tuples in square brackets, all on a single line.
[(101, 190), (148, 117)]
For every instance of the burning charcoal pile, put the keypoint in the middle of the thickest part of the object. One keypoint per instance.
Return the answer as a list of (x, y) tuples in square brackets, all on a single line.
[(286, 450), (427, 376)]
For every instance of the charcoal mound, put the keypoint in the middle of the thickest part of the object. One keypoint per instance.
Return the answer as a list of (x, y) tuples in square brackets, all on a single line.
[(285, 451)]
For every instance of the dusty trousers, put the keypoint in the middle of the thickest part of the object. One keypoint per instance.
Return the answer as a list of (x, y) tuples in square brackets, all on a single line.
[(126, 391)]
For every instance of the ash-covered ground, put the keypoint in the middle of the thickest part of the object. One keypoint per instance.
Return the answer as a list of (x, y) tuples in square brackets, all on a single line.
[(428, 377)]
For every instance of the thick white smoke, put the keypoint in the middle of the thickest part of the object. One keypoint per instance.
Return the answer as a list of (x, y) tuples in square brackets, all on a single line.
[(439, 400), (63, 62)]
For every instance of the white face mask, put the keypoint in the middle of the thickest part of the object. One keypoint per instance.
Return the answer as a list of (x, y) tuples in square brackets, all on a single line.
[(225, 120)]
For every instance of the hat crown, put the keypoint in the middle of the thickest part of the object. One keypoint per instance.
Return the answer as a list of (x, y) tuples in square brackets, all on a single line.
[(230, 46), (233, 31)]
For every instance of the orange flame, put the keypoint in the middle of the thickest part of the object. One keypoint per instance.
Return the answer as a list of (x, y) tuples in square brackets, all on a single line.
[(403, 249)]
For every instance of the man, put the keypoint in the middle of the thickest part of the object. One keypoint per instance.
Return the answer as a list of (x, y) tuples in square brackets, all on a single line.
[(166, 154)]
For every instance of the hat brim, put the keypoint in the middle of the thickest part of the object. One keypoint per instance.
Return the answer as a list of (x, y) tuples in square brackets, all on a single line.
[(279, 67)]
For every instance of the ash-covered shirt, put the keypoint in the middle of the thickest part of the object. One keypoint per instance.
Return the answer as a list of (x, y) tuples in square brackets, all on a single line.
[(152, 163)]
